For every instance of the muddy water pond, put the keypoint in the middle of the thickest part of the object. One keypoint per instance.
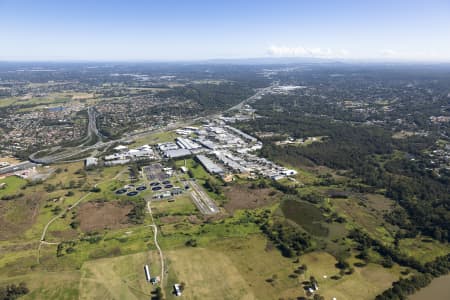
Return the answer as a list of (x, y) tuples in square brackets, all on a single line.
[(438, 289)]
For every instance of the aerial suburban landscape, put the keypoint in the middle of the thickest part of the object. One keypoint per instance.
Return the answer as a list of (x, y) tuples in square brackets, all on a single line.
[(299, 175)]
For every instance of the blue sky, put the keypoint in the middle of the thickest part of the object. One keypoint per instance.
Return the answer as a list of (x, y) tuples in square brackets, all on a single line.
[(195, 29)]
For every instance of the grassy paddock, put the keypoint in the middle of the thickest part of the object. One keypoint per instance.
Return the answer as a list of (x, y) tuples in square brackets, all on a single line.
[(306, 215), (364, 283), (363, 216), (423, 249), (181, 206), (207, 275), (155, 138), (13, 185), (118, 278), (47, 285)]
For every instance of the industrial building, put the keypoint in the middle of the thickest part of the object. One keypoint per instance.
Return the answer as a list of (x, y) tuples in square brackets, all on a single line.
[(177, 153), (230, 161), (208, 144), (123, 153), (234, 150), (242, 134), (185, 143), (116, 162), (147, 273), (91, 162), (177, 289), (167, 146), (177, 190), (121, 148), (173, 150), (163, 195), (209, 165)]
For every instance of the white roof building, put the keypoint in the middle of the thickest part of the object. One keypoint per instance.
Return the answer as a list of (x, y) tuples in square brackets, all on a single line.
[(121, 148), (176, 153)]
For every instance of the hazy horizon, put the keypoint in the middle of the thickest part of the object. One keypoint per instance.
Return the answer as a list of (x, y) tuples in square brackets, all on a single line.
[(157, 31)]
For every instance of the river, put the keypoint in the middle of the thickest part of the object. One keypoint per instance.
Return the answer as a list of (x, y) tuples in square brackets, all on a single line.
[(438, 289)]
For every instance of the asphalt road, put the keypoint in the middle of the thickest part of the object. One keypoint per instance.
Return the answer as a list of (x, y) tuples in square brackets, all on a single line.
[(21, 166), (66, 153)]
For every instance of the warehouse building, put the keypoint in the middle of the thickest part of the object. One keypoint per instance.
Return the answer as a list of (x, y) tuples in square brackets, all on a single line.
[(90, 162), (209, 165), (167, 146), (185, 143), (177, 153), (242, 134)]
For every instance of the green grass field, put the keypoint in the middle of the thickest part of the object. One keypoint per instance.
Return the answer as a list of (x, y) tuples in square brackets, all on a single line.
[(201, 175), (155, 138), (50, 99), (423, 249), (207, 274), (181, 206), (365, 217), (364, 283), (306, 215), (13, 184), (118, 278), (48, 285), (232, 259)]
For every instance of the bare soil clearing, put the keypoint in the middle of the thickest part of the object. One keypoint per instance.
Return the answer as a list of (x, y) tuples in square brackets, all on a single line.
[(243, 197), (103, 215), (18, 215)]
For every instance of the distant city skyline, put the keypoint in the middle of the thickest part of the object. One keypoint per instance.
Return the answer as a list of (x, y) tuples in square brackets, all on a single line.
[(395, 30)]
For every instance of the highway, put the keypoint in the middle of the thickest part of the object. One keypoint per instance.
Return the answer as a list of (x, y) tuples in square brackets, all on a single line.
[(65, 154), (253, 98), (62, 154), (92, 131)]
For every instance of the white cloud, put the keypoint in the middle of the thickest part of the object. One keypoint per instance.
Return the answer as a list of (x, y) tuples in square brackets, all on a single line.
[(300, 51), (388, 53)]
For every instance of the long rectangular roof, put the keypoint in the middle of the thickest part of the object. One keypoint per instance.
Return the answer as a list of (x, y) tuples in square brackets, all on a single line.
[(209, 165), (177, 153)]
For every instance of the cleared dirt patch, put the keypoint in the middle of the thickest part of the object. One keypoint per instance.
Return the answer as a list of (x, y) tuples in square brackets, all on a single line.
[(64, 234), (379, 202), (243, 197), (9, 159), (103, 215), (194, 219), (171, 219), (18, 215)]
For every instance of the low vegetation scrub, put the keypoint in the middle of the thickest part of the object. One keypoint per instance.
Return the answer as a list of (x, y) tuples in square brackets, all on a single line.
[(13, 291)]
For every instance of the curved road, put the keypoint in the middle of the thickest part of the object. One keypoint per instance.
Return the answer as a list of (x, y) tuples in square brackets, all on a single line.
[(67, 153), (60, 154)]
